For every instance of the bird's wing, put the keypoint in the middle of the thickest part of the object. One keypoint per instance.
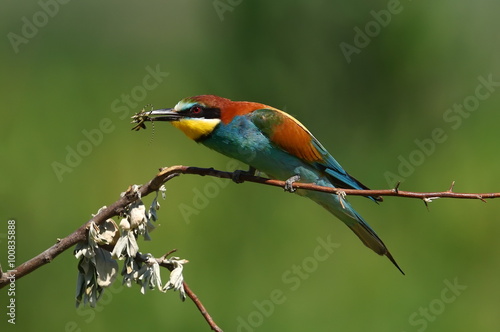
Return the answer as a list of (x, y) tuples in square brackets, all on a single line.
[(292, 136), (287, 133)]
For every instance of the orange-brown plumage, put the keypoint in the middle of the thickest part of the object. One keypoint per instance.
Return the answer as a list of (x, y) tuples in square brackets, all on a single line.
[(295, 139), (229, 109)]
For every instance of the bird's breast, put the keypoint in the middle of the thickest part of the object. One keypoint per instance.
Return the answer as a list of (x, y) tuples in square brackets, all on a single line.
[(239, 139)]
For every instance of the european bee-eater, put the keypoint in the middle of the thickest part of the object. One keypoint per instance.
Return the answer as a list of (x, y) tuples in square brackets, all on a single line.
[(273, 142)]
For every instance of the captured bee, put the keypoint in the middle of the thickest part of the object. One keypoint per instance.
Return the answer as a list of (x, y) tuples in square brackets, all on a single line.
[(142, 117)]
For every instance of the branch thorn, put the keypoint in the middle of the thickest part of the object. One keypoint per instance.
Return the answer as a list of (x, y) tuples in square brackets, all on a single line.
[(396, 188), (168, 253), (426, 202), (481, 198)]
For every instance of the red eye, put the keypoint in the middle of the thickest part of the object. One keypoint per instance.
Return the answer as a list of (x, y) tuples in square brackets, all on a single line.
[(195, 110)]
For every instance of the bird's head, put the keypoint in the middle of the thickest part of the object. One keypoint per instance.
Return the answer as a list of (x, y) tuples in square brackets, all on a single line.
[(198, 116)]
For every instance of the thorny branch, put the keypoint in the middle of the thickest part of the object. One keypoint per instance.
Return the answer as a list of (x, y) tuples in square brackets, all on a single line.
[(168, 173), (425, 196)]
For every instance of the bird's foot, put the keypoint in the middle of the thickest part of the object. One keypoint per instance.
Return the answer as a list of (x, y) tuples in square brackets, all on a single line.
[(289, 183), (341, 195), (238, 173)]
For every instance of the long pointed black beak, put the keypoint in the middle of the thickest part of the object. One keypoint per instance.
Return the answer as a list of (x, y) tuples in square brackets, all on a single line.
[(165, 114)]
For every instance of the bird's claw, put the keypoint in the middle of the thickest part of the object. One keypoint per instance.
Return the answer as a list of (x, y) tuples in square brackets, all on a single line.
[(238, 173), (341, 195), (289, 183)]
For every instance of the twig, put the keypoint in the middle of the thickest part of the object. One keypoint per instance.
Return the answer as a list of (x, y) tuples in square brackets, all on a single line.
[(201, 308), (191, 294), (167, 174), (168, 253)]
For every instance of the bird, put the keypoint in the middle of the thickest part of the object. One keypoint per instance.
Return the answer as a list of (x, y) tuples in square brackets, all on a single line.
[(275, 143)]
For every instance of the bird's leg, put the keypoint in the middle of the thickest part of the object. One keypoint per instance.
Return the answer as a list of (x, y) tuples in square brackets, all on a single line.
[(341, 195), (238, 173), (289, 183)]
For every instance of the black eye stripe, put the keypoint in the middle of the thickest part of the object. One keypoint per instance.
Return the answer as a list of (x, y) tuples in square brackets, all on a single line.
[(212, 113), (198, 111)]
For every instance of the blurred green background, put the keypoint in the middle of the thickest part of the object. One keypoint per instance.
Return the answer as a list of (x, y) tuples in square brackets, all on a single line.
[(68, 66)]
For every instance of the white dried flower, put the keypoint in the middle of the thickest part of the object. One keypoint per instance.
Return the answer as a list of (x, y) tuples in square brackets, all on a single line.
[(176, 278), (106, 267), (106, 233), (163, 191), (126, 246), (130, 271), (149, 275), (124, 224), (84, 249), (87, 288), (155, 206), (137, 214), (96, 268)]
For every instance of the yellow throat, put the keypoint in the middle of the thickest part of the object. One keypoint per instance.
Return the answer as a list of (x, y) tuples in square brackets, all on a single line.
[(196, 128)]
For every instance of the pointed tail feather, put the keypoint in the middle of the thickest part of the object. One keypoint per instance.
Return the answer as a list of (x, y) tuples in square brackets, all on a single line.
[(354, 221), (371, 240)]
